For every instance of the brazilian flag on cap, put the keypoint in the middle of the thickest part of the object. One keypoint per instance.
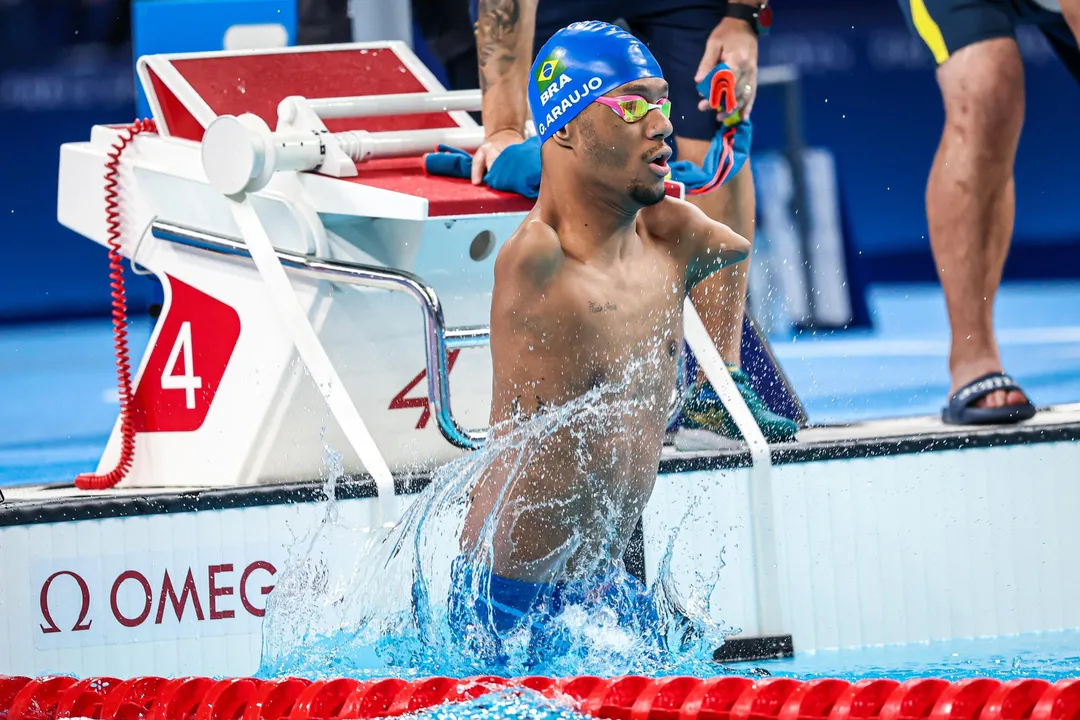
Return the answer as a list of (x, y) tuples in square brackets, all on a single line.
[(550, 69)]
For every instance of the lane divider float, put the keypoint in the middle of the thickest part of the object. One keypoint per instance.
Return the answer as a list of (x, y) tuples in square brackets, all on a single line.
[(632, 697)]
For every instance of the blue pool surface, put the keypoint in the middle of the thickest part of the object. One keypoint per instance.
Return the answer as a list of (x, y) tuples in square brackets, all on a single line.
[(1051, 656), (58, 380)]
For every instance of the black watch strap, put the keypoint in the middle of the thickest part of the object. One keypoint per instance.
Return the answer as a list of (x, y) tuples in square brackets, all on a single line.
[(750, 13)]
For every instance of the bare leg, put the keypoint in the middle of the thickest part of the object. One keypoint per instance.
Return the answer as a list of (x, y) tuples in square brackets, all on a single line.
[(721, 299), (970, 200)]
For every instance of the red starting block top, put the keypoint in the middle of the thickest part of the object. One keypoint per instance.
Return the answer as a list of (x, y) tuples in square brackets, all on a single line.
[(187, 92), (446, 195)]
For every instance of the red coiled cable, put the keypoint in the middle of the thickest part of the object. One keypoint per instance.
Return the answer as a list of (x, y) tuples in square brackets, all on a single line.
[(91, 481)]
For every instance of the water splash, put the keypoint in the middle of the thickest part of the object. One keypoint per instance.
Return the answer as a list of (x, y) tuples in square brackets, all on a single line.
[(387, 602), (514, 705)]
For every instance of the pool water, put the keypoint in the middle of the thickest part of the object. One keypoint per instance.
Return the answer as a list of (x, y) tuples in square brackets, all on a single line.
[(1050, 656), (500, 705)]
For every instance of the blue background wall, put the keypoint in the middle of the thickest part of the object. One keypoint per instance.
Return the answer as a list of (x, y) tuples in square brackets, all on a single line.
[(868, 95)]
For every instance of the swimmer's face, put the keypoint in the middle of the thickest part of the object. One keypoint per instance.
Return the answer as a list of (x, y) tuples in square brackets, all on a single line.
[(625, 153)]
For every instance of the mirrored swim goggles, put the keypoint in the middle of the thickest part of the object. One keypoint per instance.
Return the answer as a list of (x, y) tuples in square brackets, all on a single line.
[(632, 108)]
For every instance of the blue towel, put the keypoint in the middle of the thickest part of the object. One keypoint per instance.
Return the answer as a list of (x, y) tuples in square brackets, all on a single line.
[(727, 154), (449, 161), (517, 169)]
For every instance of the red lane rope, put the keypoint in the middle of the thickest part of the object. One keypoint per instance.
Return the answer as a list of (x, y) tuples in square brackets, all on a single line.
[(622, 698), (91, 481)]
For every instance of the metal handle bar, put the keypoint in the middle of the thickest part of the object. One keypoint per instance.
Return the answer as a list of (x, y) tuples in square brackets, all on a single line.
[(396, 104), (331, 108), (241, 154), (438, 339)]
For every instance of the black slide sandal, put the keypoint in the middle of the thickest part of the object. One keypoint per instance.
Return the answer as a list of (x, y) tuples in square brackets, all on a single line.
[(960, 412)]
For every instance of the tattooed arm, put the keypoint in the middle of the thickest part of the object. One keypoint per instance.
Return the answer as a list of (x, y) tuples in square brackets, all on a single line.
[(504, 48)]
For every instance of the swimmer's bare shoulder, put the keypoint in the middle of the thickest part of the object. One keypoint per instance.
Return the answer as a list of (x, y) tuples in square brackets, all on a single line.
[(695, 240), (526, 303), (532, 255)]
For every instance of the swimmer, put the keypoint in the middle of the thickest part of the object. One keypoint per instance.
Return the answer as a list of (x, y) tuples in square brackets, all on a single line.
[(588, 288)]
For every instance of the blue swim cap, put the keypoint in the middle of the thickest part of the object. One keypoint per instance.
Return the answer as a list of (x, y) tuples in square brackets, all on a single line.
[(580, 63)]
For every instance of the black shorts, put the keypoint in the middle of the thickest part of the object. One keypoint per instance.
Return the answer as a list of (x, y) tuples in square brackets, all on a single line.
[(675, 31), (945, 26)]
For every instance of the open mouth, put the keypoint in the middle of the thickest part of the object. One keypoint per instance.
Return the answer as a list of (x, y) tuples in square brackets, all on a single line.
[(658, 162)]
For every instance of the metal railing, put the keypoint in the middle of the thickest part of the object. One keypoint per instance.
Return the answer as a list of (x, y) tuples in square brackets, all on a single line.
[(438, 339)]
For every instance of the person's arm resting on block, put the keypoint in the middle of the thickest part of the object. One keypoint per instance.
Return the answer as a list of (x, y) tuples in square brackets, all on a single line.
[(504, 47)]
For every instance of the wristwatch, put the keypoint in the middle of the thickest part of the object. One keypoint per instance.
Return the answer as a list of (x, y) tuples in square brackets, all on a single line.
[(759, 16)]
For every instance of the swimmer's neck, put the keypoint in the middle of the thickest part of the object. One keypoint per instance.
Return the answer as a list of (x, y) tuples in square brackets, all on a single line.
[(589, 223)]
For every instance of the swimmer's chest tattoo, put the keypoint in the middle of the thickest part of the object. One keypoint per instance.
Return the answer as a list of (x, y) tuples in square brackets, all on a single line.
[(599, 307)]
